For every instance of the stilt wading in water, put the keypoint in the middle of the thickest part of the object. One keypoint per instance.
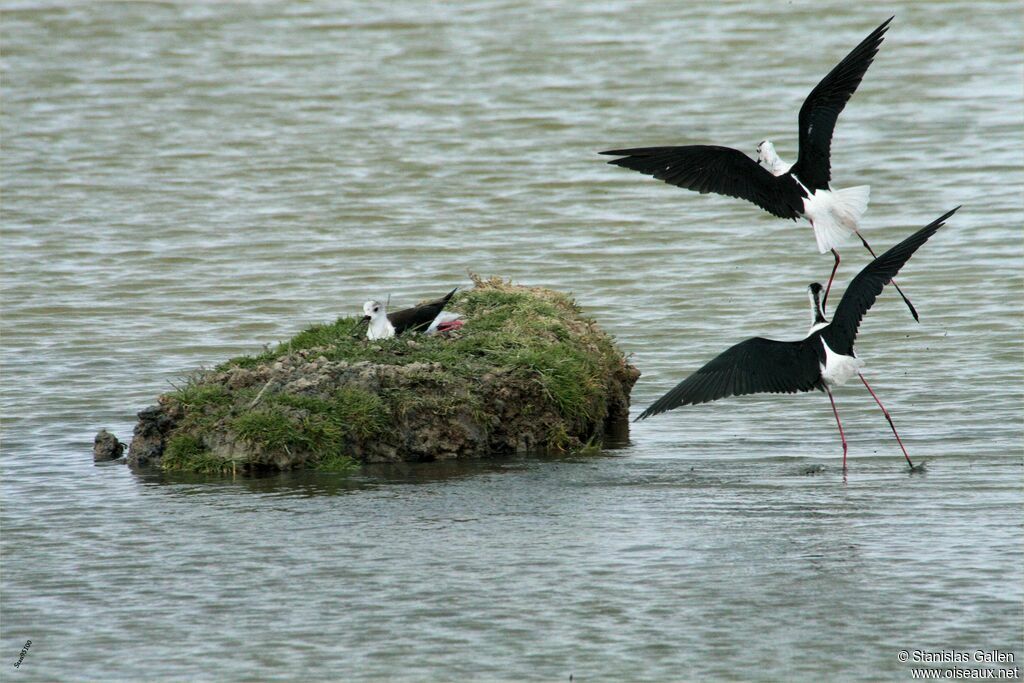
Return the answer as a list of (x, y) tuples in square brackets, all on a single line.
[(822, 360)]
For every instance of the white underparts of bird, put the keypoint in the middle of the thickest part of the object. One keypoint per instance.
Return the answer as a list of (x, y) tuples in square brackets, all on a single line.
[(380, 327), (836, 368), (823, 359)]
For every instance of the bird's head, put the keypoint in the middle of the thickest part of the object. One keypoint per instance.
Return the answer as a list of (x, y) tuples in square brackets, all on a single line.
[(373, 310), (814, 292), (766, 153)]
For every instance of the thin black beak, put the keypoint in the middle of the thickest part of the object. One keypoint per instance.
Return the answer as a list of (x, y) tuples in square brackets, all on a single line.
[(366, 318)]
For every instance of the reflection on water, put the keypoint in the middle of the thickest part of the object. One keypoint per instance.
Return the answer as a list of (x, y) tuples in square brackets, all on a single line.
[(185, 183), (367, 477)]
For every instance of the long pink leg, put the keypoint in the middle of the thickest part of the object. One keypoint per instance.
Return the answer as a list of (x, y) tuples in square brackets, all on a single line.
[(831, 277), (913, 311), (841, 435), (886, 413)]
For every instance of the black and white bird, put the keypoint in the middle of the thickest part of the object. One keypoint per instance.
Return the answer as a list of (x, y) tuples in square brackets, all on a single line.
[(822, 360), (383, 325), (781, 189)]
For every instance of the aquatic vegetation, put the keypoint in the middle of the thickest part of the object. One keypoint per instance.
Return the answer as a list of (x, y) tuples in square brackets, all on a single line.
[(528, 372)]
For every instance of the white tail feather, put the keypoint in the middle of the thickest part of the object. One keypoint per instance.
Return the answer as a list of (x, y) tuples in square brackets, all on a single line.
[(836, 214)]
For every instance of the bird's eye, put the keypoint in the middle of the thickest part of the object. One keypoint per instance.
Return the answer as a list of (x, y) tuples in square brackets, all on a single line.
[(375, 310)]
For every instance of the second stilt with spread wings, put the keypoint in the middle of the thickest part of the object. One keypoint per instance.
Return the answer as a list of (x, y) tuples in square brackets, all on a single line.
[(823, 359)]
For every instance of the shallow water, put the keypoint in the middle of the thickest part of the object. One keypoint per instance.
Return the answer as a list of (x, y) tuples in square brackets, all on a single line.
[(183, 183)]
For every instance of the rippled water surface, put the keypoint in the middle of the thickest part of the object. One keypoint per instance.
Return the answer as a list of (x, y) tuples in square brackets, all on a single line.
[(182, 183)]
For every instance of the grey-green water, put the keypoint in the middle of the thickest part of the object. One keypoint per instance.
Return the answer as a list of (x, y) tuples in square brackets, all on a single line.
[(182, 183)]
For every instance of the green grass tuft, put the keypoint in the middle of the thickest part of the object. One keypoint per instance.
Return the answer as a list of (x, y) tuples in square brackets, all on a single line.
[(195, 394), (320, 427), (269, 428), (336, 463), (186, 452)]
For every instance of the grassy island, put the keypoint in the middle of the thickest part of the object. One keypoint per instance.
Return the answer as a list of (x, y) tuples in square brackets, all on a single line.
[(527, 372)]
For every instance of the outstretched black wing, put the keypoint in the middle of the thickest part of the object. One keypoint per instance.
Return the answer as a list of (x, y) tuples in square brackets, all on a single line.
[(722, 170), (418, 318), (822, 107), (868, 284), (754, 366)]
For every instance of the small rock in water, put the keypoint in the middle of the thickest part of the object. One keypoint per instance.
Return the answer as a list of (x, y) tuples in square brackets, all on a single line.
[(106, 447), (812, 469)]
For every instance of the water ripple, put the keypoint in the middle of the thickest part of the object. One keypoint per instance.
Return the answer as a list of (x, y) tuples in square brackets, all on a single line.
[(183, 183)]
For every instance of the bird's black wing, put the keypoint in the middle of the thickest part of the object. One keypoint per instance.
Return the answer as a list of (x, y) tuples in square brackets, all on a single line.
[(722, 170), (868, 284), (822, 107), (754, 366), (418, 318)]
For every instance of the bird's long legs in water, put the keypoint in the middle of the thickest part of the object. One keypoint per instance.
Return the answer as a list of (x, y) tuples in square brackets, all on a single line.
[(840, 424), (887, 417), (913, 311)]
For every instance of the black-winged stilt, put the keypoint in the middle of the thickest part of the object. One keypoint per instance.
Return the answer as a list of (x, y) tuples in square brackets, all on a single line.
[(416, 319), (822, 360), (784, 190)]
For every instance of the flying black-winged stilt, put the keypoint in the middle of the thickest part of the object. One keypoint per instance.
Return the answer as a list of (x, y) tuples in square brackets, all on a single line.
[(416, 319), (822, 360), (784, 190)]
